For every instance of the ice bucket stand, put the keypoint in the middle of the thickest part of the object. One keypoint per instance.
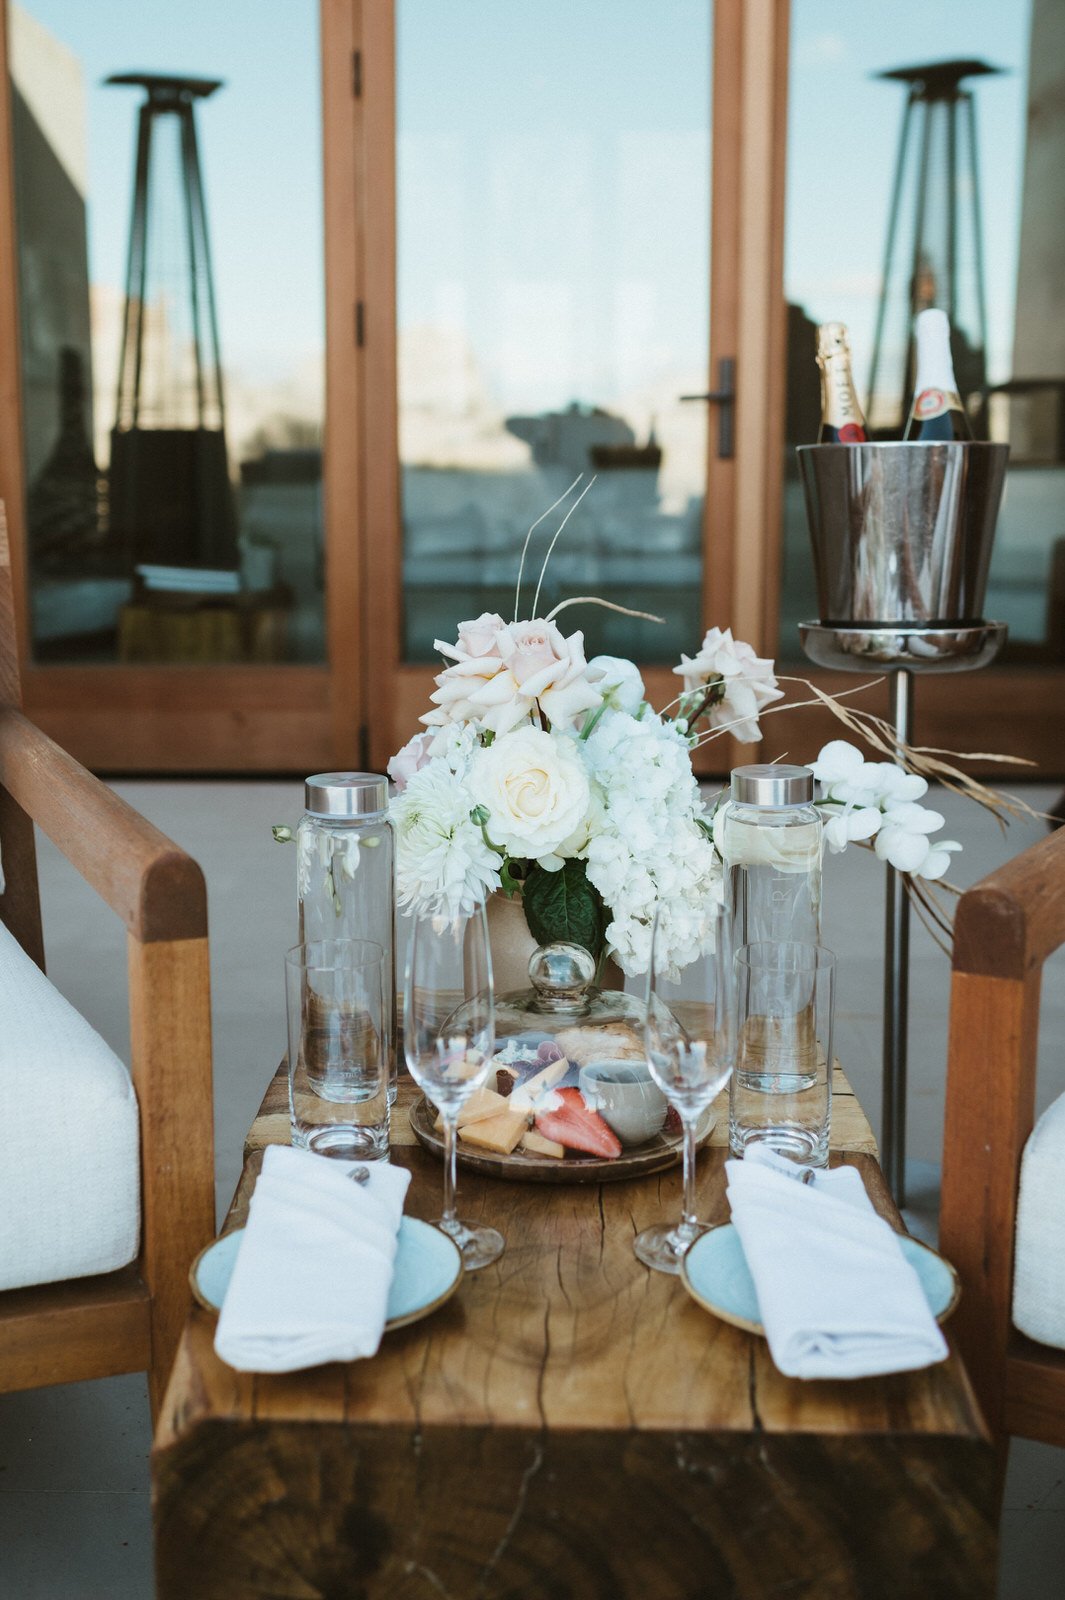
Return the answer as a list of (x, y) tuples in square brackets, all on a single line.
[(906, 537)]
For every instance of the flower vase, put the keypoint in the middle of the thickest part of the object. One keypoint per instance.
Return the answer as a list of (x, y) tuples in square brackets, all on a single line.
[(513, 945)]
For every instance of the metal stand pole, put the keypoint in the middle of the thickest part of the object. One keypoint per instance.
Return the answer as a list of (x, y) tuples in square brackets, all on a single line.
[(896, 987)]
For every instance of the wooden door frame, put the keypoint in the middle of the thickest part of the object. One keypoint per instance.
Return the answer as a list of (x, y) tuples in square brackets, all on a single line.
[(224, 718), (748, 68)]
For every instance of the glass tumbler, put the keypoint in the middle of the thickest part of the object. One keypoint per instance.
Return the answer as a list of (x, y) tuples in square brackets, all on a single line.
[(780, 1093), (338, 1049)]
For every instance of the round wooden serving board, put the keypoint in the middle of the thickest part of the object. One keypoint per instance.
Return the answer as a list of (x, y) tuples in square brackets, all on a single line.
[(663, 1151)]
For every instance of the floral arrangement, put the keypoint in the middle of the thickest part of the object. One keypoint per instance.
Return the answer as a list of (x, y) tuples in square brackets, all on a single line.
[(549, 776), (541, 774)]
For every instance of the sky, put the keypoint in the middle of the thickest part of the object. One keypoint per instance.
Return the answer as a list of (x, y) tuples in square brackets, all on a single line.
[(554, 189), (554, 170), (554, 173)]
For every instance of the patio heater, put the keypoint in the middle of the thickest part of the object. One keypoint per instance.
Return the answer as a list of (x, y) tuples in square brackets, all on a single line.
[(170, 497), (933, 255)]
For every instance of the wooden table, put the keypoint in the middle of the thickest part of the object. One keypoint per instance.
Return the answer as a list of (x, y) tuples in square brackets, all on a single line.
[(569, 1425)]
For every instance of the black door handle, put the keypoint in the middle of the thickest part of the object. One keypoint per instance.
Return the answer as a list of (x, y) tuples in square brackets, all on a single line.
[(725, 397)]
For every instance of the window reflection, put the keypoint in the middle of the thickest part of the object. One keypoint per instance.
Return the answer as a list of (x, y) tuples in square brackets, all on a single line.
[(978, 231), (172, 349), (553, 237)]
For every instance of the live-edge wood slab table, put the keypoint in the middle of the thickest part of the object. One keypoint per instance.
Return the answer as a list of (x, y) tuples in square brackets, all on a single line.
[(569, 1426)]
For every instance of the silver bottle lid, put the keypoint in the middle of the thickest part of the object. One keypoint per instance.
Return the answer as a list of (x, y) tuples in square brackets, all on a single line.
[(772, 786), (346, 794)]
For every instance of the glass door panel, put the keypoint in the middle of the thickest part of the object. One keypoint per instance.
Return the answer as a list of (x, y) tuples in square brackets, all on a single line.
[(169, 232), (978, 231), (553, 237)]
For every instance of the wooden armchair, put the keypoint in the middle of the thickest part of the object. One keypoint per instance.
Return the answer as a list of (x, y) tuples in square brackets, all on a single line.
[(1006, 927), (125, 1321)]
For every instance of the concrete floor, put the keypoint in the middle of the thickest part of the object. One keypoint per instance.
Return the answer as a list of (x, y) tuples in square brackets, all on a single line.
[(74, 1492)]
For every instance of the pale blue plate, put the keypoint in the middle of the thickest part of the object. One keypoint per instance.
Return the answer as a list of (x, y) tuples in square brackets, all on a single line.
[(715, 1273), (428, 1271)]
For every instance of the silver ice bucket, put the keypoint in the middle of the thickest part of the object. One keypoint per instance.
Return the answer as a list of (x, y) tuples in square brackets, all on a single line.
[(902, 533)]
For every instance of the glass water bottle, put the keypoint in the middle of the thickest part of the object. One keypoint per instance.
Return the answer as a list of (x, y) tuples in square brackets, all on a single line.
[(345, 852), (771, 844)]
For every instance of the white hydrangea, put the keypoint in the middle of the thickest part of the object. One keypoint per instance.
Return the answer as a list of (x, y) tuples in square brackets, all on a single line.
[(443, 863), (647, 853)]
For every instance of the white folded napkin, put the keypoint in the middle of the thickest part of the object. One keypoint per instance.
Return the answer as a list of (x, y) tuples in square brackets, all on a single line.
[(314, 1268), (837, 1297)]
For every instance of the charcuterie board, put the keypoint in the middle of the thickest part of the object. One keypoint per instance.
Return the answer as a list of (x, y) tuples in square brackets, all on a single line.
[(664, 1150)]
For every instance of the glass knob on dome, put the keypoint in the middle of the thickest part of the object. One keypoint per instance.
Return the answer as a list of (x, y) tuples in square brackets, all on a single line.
[(560, 973)]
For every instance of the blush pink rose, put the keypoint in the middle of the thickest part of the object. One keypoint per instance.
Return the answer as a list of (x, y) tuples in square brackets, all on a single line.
[(528, 647), (550, 669), (411, 759), (477, 639)]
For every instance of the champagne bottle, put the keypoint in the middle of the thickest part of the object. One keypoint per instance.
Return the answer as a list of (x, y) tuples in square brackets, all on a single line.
[(841, 415), (937, 413)]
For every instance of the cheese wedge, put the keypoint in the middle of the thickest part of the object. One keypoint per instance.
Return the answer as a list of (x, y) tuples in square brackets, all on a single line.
[(482, 1103), (531, 1094), (546, 1078), (499, 1133), (537, 1145)]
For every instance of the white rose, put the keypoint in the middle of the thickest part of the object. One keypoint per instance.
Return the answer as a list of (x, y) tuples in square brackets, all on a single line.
[(618, 681), (535, 789), (745, 683)]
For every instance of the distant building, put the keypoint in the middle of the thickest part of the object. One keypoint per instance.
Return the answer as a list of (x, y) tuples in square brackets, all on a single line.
[(48, 125)]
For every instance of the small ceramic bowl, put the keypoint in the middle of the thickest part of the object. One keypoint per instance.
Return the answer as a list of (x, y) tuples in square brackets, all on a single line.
[(626, 1097)]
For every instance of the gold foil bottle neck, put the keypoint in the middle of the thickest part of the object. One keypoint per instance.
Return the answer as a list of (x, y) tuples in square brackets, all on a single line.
[(832, 340)]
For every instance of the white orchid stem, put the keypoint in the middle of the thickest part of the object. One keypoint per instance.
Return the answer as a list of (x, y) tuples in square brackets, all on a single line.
[(594, 600), (554, 541), (532, 530)]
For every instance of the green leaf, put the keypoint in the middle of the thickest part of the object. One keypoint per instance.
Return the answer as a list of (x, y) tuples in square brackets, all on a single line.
[(563, 907)]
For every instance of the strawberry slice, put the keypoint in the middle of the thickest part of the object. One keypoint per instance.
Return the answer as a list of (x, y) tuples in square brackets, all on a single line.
[(573, 1125)]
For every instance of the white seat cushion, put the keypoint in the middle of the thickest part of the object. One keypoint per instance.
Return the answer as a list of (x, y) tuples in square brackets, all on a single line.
[(69, 1146), (1039, 1266)]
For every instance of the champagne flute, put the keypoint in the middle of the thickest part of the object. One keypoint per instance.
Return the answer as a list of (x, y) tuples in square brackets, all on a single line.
[(449, 1041), (689, 1037)]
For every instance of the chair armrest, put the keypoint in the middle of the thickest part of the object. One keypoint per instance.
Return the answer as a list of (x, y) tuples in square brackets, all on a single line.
[(155, 888), (1012, 920), (160, 894)]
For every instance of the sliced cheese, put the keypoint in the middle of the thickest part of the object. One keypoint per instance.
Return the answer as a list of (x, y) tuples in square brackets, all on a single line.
[(547, 1077), (482, 1103), (537, 1145), (499, 1133), (531, 1093), (470, 1065)]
